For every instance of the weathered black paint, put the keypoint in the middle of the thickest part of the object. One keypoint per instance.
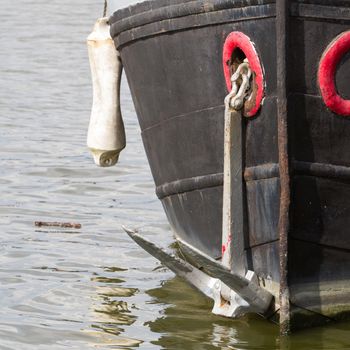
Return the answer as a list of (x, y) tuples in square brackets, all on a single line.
[(172, 52), (319, 253)]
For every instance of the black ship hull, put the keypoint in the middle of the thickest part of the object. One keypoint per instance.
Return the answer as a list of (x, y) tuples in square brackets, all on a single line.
[(172, 56)]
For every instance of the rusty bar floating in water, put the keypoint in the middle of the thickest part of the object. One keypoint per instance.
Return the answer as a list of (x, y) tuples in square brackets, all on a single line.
[(57, 224)]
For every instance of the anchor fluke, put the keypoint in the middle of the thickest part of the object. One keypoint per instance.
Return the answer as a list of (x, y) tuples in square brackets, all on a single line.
[(246, 295)]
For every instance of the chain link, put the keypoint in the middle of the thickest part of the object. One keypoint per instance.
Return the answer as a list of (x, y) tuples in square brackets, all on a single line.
[(240, 87)]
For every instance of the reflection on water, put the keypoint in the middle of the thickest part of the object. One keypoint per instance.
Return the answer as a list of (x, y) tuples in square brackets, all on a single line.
[(89, 288), (111, 311), (188, 324)]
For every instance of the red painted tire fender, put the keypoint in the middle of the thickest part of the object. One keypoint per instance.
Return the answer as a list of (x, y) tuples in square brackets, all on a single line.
[(239, 40), (327, 71)]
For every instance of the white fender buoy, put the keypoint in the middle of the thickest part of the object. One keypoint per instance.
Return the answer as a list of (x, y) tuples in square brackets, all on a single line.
[(106, 135)]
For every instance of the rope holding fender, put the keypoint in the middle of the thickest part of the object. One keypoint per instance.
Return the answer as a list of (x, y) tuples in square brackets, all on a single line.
[(105, 9)]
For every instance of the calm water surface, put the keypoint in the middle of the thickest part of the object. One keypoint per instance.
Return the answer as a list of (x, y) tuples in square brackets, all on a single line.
[(90, 288)]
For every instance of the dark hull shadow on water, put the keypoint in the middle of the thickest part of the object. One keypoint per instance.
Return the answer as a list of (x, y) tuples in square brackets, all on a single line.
[(187, 323)]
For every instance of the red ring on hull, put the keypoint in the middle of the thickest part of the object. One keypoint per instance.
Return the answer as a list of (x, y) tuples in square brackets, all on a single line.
[(239, 40), (326, 74)]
